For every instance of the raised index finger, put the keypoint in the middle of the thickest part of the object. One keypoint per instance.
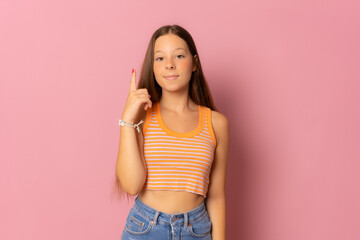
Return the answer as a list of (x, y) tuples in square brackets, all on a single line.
[(133, 81)]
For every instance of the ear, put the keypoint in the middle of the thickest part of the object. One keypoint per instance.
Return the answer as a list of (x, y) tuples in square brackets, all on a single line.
[(195, 62)]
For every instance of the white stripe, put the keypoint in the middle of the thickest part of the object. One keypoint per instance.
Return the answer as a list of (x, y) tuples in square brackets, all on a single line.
[(169, 138), (158, 180), (174, 168), (148, 142), (173, 184), (174, 144), (201, 137), (167, 155), (186, 149), (180, 154), (166, 160), (162, 176), (185, 172), (206, 135), (194, 166)]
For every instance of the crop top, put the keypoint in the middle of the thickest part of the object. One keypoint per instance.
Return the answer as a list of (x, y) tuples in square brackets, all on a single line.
[(178, 161)]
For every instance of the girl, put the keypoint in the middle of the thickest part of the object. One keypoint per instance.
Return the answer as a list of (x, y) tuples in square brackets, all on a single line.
[(173, 146)]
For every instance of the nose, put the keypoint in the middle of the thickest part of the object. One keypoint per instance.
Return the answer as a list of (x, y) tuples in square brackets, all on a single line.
[(170, 64)]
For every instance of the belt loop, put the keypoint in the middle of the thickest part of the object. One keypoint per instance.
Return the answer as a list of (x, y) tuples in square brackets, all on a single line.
[(155, 218), (186, 220)]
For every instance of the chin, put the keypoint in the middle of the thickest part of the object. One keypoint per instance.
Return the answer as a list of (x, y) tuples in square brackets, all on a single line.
[(174, 89)]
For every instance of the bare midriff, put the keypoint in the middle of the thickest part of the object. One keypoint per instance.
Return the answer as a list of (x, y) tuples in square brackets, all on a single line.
[(171, 201)]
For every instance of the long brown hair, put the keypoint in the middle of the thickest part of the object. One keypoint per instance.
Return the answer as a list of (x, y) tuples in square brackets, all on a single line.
[(199, 90)]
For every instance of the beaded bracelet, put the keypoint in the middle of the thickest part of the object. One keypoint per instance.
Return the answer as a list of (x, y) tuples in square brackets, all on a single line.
[(123, 123)]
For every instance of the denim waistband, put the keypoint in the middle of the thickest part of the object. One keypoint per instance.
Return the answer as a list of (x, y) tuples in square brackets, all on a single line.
[(157, 216)]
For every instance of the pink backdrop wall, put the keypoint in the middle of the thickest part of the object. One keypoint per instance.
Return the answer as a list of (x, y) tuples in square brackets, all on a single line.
[(286, 73)]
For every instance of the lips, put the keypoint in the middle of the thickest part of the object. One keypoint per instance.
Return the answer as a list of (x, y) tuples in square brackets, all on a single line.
[(170, 77)]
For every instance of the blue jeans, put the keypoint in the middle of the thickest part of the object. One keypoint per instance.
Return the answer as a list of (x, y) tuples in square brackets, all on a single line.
[(144, 222)]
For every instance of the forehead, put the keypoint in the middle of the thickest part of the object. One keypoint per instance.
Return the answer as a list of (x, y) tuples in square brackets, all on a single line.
[(169, 43)]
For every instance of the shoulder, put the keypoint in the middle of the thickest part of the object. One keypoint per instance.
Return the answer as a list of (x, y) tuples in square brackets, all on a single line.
[(220, 125)]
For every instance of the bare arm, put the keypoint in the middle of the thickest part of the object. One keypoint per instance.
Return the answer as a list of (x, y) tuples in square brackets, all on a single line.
[(130, 166), (215, 200)]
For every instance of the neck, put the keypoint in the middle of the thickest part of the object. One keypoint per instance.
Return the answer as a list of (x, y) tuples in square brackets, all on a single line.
[(177, 101)]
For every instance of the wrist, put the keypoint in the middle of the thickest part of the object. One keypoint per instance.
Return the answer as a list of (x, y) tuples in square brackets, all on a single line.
[(123, 123), (128, 119)]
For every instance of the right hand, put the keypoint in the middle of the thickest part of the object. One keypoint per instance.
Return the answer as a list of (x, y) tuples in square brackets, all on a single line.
[(136, 99)]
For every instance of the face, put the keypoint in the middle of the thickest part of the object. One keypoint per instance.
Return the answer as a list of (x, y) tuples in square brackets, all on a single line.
[(173, 58)]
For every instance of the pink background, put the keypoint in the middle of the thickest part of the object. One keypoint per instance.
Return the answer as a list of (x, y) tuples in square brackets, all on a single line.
[(286, 73)]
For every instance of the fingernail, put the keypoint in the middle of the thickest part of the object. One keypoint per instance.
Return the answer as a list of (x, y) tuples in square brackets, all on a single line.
[(132, 71)]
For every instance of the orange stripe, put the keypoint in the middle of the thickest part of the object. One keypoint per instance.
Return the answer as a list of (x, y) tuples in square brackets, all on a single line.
[(171, 147), (154, 158), (181, 173), (169, 185), (177, 151), (195, 143), (197, 156), (177, 156), (166, 161), (179, 167), (177, 187), (154, 180)]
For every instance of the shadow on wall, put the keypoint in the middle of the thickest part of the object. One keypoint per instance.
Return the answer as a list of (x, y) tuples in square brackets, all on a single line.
[(241, 172)]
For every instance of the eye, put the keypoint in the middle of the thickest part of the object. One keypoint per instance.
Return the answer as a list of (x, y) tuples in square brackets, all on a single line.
[(157, 58), (181, 55)]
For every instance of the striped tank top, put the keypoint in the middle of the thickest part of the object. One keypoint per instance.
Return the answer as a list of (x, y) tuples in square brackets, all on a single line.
[(178, 161)]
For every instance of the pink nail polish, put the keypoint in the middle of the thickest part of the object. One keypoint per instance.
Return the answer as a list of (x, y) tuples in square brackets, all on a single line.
[(132, 71)]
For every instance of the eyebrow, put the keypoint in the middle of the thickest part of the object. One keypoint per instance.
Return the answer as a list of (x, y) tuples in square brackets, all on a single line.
[(175, 49)]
